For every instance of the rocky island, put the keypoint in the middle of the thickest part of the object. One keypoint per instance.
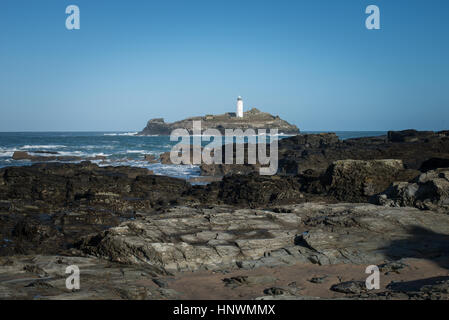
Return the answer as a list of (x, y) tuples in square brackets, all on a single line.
[(252, 119)]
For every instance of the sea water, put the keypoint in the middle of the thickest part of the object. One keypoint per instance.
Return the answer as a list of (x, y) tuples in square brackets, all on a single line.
[(120, 148)]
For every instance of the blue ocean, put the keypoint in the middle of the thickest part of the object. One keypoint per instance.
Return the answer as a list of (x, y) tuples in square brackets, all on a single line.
[(120, 148)]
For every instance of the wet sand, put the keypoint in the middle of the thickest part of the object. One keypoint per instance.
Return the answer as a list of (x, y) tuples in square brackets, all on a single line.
[(209, 285)]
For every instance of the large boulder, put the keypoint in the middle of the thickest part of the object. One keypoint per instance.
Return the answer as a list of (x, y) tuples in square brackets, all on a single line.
[(251, 190), (428, 191), (358, 180)]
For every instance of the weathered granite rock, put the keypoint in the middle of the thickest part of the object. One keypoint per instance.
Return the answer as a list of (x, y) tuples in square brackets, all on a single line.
[(185, 238), (252, 119), (430, 190), (358, 180), (189, 239)]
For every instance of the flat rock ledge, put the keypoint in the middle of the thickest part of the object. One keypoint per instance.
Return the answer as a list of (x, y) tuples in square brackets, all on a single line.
[(220, 237)]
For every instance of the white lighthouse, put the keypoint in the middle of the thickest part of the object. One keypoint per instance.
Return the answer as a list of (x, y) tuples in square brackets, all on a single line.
[(239, 107)]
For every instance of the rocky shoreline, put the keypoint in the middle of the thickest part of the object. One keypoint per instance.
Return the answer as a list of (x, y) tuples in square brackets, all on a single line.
[(308, 232)]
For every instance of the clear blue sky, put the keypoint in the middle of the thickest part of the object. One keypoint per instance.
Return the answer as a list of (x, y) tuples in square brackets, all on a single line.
[(311, 62)]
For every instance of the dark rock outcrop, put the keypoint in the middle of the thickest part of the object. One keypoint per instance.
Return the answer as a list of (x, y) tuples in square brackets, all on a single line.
[(434, 163), (428, 191), (259, 191), (151, 158), (317, 152), (222, 169), (45, 208), (52, 187), (409, 135), (314, 153), (358, 180)]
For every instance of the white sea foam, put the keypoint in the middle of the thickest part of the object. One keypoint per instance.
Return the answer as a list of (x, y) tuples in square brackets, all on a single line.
[(62, 153), (101, 154), (43, 146), (6, 153), (71, 154), (177, 171), (121, 134), (89, 147)]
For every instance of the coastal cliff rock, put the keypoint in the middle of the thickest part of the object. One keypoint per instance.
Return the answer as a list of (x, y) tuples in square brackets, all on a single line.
[(252, 119)]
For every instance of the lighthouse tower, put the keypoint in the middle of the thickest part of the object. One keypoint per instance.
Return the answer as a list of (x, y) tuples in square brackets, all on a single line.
[(239, 107)]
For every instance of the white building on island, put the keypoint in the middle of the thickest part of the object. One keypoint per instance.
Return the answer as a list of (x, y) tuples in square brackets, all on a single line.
[(239, 107)]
